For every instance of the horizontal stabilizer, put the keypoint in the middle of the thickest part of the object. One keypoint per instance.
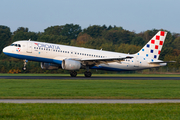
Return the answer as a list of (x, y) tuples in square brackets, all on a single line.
[(162, 62)]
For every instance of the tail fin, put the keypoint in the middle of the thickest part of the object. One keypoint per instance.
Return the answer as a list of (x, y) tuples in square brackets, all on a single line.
[(153, 48)]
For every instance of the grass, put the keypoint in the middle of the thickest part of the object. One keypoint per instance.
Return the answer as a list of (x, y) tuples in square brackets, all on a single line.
[(90, 111), (110, 75), (90, 89)]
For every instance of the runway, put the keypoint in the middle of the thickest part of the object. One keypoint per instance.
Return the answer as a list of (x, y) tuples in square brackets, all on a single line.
[(88, 101), (89, 78)]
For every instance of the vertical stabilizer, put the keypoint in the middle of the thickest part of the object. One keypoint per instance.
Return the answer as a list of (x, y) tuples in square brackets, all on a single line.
[(153, 48)]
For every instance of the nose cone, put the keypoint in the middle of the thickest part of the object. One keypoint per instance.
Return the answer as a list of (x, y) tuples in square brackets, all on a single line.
[(5, 50)]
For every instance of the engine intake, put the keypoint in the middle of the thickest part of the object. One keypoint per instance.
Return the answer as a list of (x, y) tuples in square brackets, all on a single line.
[(49, 66), (71, 64)]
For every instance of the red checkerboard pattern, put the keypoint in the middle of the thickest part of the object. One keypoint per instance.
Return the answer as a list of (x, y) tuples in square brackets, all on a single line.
[(153, 48)]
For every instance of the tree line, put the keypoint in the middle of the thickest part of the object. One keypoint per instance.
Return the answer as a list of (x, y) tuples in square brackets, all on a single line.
[(110, 38)]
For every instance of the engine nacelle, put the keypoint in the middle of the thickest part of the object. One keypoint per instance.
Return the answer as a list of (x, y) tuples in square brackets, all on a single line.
[(71, 64), (49, 66)]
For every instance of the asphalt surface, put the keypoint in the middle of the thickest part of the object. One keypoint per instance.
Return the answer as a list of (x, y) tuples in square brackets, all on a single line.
[(124, 101), (90, 78)]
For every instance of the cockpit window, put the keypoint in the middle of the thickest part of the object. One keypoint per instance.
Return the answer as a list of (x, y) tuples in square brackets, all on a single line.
[(16, 45)]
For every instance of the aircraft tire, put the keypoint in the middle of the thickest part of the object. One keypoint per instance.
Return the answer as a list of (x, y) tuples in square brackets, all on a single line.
[(24, 68), (73, 73), (87, 74)]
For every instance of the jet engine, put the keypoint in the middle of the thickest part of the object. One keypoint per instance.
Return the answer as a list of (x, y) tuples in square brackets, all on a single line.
[(71, 64), (49, 66)]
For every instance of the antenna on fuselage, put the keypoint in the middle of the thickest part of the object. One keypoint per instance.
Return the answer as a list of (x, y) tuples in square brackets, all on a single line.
[(29, 39)]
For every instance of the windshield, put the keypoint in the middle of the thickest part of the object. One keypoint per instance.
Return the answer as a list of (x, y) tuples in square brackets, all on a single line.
[(16, 45)]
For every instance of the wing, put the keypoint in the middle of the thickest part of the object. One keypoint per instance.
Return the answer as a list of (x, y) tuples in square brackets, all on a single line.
[(97, 61)]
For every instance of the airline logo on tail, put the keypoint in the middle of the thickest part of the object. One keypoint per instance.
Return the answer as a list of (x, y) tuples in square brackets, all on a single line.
[(153, 48)]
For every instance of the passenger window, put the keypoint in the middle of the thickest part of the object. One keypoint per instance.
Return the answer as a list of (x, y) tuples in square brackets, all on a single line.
[(19, 45)]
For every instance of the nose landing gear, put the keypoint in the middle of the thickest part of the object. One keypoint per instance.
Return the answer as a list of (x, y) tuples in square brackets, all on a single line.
[(25, 63)]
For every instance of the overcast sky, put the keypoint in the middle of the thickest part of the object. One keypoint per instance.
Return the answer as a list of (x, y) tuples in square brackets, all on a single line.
[(132, 15)]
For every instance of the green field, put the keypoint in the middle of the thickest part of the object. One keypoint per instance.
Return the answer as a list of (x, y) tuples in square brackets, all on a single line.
[(110, 75), (90, 89), (165, 111)]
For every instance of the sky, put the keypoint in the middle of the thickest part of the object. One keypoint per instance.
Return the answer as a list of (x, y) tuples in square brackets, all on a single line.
[(132, 15)]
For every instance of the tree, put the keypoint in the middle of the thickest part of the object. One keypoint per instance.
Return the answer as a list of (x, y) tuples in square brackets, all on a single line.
[(53, 30), (83, 38), (138, 41), (176, 43), (69, 30), (5, 37), (94, 31), (23, 34)]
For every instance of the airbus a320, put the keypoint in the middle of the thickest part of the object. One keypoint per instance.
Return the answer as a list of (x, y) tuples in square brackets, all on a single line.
[(55, 56)]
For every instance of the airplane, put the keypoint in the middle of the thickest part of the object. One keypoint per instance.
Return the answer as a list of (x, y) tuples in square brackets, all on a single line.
[(56, 56)]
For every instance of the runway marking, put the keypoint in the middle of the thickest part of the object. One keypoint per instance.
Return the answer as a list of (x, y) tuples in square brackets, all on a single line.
[(84, 101)]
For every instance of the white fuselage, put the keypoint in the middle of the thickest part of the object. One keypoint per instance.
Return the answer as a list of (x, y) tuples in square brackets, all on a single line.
[(55, 53)]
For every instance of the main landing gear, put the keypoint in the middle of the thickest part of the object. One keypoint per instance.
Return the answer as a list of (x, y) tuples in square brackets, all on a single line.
[(25, 63), (87, 73), (73, 73)]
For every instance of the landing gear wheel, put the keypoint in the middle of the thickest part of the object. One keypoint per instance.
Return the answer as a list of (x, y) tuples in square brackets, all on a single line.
[(87, 74), (24, 68), (73, 73)]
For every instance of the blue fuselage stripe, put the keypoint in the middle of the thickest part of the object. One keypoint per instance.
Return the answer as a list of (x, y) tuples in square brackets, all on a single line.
[(32, 58)]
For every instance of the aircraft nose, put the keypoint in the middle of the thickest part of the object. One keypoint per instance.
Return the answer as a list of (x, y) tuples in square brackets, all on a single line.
[(5, 50)]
